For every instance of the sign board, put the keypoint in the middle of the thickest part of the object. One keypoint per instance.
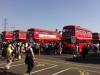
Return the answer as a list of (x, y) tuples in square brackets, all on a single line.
[(73, 39)]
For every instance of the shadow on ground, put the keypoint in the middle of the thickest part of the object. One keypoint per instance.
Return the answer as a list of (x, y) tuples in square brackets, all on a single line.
[(90, 59), (5, 72)]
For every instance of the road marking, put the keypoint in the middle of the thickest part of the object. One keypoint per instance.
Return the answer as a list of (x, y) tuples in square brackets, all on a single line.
[(42, 64), (45, 63), (86, 70), (14, 65), (70, 64), (24, 63), (61, 71), (12, 62), (44, 69)]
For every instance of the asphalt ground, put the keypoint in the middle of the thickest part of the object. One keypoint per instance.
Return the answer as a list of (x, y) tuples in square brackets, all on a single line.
[(55, 65)]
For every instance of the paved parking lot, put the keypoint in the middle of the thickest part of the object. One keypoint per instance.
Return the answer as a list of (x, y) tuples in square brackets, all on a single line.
[(54, 65)]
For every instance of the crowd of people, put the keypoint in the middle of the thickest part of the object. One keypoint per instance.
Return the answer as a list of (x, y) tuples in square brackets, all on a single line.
[(45, 47), (15, 50), (92, 48)]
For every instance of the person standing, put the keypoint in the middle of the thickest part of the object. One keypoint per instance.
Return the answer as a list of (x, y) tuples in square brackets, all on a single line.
[(75, 50), (29, 59), (9, 56), (85, 50)]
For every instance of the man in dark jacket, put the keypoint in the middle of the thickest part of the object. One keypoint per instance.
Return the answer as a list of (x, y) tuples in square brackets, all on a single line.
[(85, 51)]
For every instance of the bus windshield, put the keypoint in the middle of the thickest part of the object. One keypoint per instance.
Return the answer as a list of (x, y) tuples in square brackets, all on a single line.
[(69, 31)]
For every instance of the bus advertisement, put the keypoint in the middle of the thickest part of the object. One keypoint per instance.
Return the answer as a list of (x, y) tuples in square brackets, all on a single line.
[(75, 34)]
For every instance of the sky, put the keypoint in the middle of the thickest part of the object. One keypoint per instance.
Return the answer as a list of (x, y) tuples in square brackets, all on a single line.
[(49, 14)]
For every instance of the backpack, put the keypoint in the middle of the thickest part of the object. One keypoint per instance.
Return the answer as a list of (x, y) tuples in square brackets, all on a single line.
[(28, 58)]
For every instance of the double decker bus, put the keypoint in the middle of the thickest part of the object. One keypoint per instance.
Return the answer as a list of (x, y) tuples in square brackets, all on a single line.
[(75, 34), (19, 35), (42, 34), (96, 38), (6, 35)]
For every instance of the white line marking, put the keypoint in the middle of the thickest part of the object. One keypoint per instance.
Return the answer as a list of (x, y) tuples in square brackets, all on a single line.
[(24, 63), (44, 69), (61, 71), (86, 70), (70, 64), (12, 62), (14, 65), (45, 63)]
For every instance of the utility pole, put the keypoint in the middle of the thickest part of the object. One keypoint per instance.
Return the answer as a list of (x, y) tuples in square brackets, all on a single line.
[(5, 24)]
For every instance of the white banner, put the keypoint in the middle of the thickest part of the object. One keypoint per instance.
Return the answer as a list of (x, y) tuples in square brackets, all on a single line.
[(73, 39), (47, 36)]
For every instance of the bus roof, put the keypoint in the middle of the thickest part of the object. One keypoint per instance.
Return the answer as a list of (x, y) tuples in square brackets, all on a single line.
[(20, 31), (7, 31), (95, 33), (76, 26), (41, 30)]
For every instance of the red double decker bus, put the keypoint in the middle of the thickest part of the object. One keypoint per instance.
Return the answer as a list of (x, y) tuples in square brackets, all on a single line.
[(42, 34), (96, 38), (19, 35), (75, 34), (6, 35)]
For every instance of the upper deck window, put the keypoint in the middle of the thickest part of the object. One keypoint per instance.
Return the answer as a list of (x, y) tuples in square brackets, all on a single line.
[(31, 31), (88, 32), (95, 35), (68, 30), (22, 32), (77, 30)]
